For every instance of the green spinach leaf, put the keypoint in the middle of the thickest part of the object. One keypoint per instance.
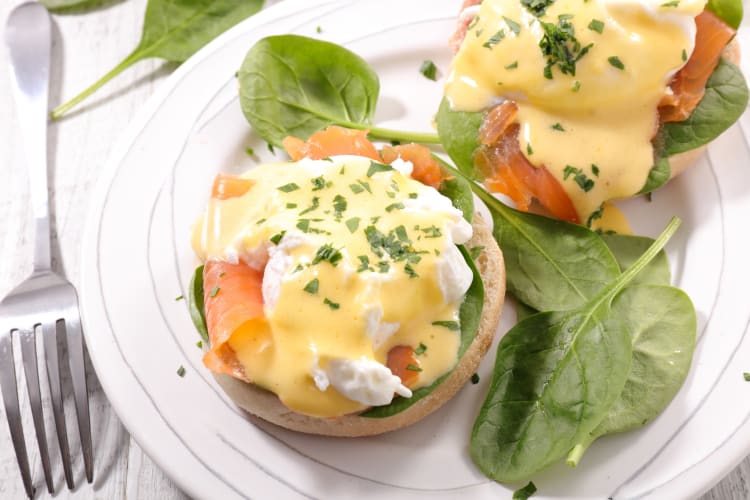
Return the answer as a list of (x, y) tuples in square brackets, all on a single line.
[(196, 305), (627, 249), (68, 5), (174, 30), (294, 85), (459, 191), (459, 133), (724, 101), (469, 316), (662, 324), (730, 11), (556, 375), (657, 176)]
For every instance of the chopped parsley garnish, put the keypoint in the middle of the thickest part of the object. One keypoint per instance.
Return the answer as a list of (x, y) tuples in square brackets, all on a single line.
[(331, 304), (383, 266), (525, 492), (319, 183), (270, 148), (673, 3), (339, 205), (410, 271), (401, 234), (746, 376), (318, 30), (559, 127), (475, 378), (327, 253), (576, 86), (450, 325), (597, 214), (298, 268), (429, 70), (529, 151), (512, 65), (421, 348), (537, 7), (581, 179), (356, 188), (364, 263), (394, 206), (181, 371), (260, 221), (413, 196), (475, 252), (288, 188), (494, 39), (215, 291), (199, 344), (514, 26), (390, 245), (615, 61), (560, 46), (596, 25), (595, 170), (249, 151), (472, 23), (684, 55), (276, 238), (314, 206), (291, 205), (413, 368), (178, 298), (312, 286), (304, 225), (352, 224), (432, 232), (376, 167)]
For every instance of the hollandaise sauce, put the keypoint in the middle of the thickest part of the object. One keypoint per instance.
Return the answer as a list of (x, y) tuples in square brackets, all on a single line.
[(357, 258), (587, 76)]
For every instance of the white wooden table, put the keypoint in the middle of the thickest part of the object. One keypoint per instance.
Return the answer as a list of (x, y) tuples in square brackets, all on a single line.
[(84, 47)]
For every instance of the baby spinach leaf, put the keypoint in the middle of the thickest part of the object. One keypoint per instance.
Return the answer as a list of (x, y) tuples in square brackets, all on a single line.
[(174, 30), (294, 85), (556, 375), (469, 316), (730, 11), (657, 176), (662, 324), (196, 306), (66, 5), (459, 191), (627, 249), (551, 265), (459, 133), (724, 101)]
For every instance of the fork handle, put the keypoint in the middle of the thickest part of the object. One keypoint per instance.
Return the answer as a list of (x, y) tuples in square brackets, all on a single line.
[(29, 45)]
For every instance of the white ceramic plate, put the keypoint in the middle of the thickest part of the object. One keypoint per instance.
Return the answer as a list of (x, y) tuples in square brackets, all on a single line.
[(139, 259)]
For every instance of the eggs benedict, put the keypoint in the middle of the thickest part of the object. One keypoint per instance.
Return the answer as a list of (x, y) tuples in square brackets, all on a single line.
[(336, 285), (575, 103)]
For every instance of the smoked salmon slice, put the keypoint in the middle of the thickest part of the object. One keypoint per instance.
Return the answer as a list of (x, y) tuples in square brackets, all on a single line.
[(689, 84), (332, 141), (229, 186), (404, 364), (426, 169)]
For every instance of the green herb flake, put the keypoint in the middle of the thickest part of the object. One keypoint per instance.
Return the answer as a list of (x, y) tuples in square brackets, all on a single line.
[(475, 252), (512, 65), (215, 291), (312, 286), (394, 206), (473, 23), (199, 344), (579, 177), (315, 205), (429, 70), (413, 368), (684, 55), (512, 25), (383, 266), (529, 150), (450, 325), (401, 234), (560, 47), (413, 196), (331, 304), (356, 188), (288, 188), (318, 30), (421, 348), (318, 183), (364, 263), (181, 371), (615, 61), (291, 205), (576, 86), (276, 238), (179, 298), (559, 127), (410, 271), (339, 204), (260, 221), (475, 379), (595, 170), (304, 225), (525, 492), (494, 39), (597, 214), (376, 167), (746, 376), (352, 224), (596, 25), (537, 7), (327, 253), (673, 3), (249, 151)]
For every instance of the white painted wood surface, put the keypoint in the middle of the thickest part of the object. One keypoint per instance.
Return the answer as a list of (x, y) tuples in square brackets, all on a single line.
[(85, 46)]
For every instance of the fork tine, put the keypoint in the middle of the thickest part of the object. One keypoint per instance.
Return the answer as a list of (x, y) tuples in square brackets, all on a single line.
[(12, 408), (31, 369), (74, 337), (49, 332)]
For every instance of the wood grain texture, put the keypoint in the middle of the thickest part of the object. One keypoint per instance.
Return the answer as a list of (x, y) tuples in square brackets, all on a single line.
[(85, 46)]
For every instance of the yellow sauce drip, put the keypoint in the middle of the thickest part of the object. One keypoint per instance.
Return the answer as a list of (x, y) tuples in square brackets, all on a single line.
[(302, 331)]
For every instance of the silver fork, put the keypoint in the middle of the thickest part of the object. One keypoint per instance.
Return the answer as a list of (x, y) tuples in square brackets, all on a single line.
[(44, 303)]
